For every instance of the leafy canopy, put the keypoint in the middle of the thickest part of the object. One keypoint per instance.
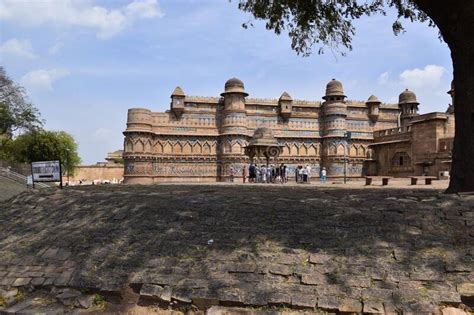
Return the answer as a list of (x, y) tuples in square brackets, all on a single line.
[(16, 112), (325, 23), (42, 145)]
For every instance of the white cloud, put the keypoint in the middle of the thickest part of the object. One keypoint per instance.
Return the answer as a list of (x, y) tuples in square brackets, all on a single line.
[(428, 77), (107, 22), (145, 9), (18, 48), (428, 83), (42, 78)]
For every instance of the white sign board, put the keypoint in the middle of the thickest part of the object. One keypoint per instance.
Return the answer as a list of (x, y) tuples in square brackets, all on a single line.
[(46, 171)]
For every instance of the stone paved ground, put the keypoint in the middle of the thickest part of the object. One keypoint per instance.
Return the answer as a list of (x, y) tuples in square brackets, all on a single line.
[(333, 249)]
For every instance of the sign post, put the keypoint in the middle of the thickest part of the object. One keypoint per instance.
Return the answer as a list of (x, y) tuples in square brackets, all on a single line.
[(46, 171)]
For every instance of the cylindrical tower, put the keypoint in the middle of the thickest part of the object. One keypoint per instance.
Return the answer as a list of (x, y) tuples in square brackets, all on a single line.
[(234, 118), (334, 114), (234, 132), (137, 146), (139, 119), (409, 106)]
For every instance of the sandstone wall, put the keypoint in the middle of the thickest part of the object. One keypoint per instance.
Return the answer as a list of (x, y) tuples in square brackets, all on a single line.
[(97, 172)]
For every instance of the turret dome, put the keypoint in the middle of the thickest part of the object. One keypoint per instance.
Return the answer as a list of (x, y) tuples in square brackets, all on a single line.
[(373, 99), (407, 97), (178, 91), (285, 97), (234, 85), (334, 88)]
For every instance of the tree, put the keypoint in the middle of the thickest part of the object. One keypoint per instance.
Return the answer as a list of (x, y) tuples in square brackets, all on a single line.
[(44, 145), (325, 23), (16, 113)]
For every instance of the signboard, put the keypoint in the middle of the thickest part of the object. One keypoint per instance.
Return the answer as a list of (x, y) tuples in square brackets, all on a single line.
[(46, 171)]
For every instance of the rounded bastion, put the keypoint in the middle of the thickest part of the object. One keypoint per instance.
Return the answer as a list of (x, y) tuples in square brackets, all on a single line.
[(139, 119)]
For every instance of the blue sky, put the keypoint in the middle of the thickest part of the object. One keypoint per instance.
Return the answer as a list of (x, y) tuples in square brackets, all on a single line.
[(85, 62)]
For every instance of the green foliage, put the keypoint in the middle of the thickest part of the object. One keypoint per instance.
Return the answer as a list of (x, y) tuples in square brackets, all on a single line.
[(16, 113), (325, 23), (41, 145), (5, 148)]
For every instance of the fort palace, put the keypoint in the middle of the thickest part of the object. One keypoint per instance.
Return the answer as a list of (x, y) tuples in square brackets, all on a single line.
[(200, 138)]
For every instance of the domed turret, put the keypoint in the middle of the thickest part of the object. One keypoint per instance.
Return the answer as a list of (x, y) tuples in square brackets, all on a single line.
[(409, 106), (286, 105), (374, 104), (373, 99), (285, 97), (407, 97), (178, 91), (234, 119), (234, 85), (177, 101), (334, 91)]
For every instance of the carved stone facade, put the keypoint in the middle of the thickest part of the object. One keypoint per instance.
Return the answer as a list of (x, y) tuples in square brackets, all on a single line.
[(200, 138)]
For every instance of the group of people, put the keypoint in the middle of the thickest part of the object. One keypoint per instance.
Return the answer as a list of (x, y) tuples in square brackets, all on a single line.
[(266, 174), (275, 174), (303, 174)]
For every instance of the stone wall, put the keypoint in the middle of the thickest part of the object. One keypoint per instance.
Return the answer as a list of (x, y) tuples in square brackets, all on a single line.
[(422, 148), (97, 172)]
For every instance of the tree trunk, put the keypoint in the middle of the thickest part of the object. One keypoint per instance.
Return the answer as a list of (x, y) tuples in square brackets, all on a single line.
[(455, 20)]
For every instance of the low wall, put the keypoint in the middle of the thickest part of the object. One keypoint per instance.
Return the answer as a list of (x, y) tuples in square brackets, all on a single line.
[(96, 172)]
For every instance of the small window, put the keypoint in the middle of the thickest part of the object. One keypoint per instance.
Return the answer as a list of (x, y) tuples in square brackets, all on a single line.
[(401, 159)]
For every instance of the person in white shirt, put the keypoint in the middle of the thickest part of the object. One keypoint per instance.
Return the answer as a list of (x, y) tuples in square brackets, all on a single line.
[(323, 175), (308, 172)]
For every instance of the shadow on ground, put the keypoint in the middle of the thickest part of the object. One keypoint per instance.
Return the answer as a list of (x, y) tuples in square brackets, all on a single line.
[(344, 249)]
